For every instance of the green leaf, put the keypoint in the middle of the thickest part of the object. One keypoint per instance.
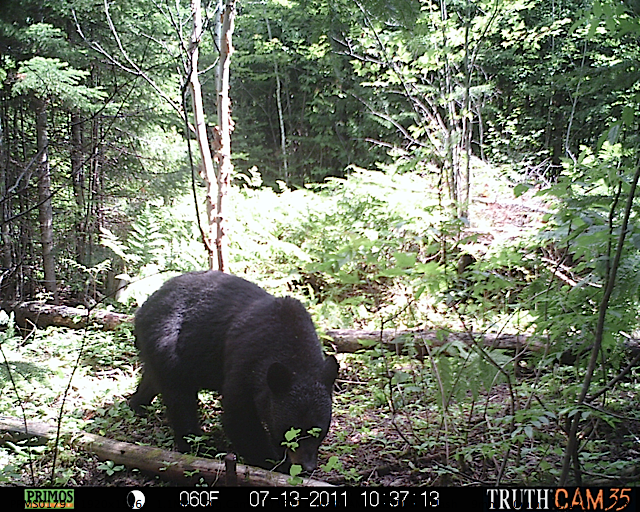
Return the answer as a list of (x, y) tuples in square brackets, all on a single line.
[(405, 260), (291, 434), (520, 189)]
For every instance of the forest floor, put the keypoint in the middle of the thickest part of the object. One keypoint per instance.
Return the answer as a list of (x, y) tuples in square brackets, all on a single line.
[(380, 443), (376, 446), (381, 456)]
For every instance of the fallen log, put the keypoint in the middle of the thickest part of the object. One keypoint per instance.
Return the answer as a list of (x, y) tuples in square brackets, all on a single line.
[(351, 340), (176, 467), (343, 340), (40, 314), (28, 314)]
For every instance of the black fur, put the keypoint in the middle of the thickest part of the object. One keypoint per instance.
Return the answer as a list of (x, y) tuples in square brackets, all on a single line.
[(210, 330)]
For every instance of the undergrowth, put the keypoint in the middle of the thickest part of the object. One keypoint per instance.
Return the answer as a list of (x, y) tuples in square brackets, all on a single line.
[(441, 419), (379, 250)]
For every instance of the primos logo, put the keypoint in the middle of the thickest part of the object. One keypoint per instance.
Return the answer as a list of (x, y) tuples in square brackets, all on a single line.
[(48, 498)]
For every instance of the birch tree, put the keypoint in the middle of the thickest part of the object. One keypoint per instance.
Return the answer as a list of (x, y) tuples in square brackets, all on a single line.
[(224, 129), (214, 237), (208, 170)]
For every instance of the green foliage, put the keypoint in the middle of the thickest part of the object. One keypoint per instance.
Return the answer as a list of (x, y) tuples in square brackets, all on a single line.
[(578, 79), (53, 79), (160, 240), (291, 438), (110, 467), (294, 43), (294, 471), (40, 368), (87, 279), (585, 232), (45, 39), (349, 243)]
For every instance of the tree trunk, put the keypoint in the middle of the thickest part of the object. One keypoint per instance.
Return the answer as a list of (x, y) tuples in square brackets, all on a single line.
[(451, 146), (94, 195), (5, 206), (283, 135), (29, 314), (467, 125), (45, 206), (225, 127), (77, 178), (208, 170)]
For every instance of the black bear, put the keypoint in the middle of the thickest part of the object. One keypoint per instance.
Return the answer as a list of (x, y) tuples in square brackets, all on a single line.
[(210, 330)]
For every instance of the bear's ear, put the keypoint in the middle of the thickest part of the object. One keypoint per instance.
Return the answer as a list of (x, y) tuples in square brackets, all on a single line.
[(279, 378), (330, 372)]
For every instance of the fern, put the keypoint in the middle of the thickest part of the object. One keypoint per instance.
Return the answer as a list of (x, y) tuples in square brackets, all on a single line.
[(146, 243)]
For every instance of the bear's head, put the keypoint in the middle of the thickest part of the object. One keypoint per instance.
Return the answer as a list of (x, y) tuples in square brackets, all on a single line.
[(301, 401)]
